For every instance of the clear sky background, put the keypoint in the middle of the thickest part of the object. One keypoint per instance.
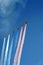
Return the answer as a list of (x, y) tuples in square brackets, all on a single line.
[(31, 11)]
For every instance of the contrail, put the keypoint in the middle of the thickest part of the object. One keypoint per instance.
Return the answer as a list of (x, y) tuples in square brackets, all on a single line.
[(6, 52), (21, 46), (3, 48), (17, 51)]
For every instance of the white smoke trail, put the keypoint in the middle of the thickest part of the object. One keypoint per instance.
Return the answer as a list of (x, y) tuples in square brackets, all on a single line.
[(9, 56), (21, 46), (3, 48), (6, 51), (17, 51)]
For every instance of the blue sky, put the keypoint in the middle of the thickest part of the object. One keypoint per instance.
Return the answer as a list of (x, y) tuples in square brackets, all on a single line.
[(31, 11)]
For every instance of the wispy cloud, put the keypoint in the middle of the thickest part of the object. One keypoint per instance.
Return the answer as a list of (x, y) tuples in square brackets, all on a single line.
[(7, 6), (10, 11)]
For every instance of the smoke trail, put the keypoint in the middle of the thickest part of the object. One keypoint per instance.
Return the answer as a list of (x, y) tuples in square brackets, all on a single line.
[(21, 46), (9, 56), (6, 52), (3, 48), (16, 54)]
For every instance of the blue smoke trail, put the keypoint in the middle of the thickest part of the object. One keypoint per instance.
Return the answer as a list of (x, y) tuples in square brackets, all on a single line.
[(3, 48), (6, 52), (10, 52)]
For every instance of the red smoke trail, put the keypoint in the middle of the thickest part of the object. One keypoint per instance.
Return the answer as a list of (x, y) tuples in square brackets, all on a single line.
[(20, 47), (17, 51)]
